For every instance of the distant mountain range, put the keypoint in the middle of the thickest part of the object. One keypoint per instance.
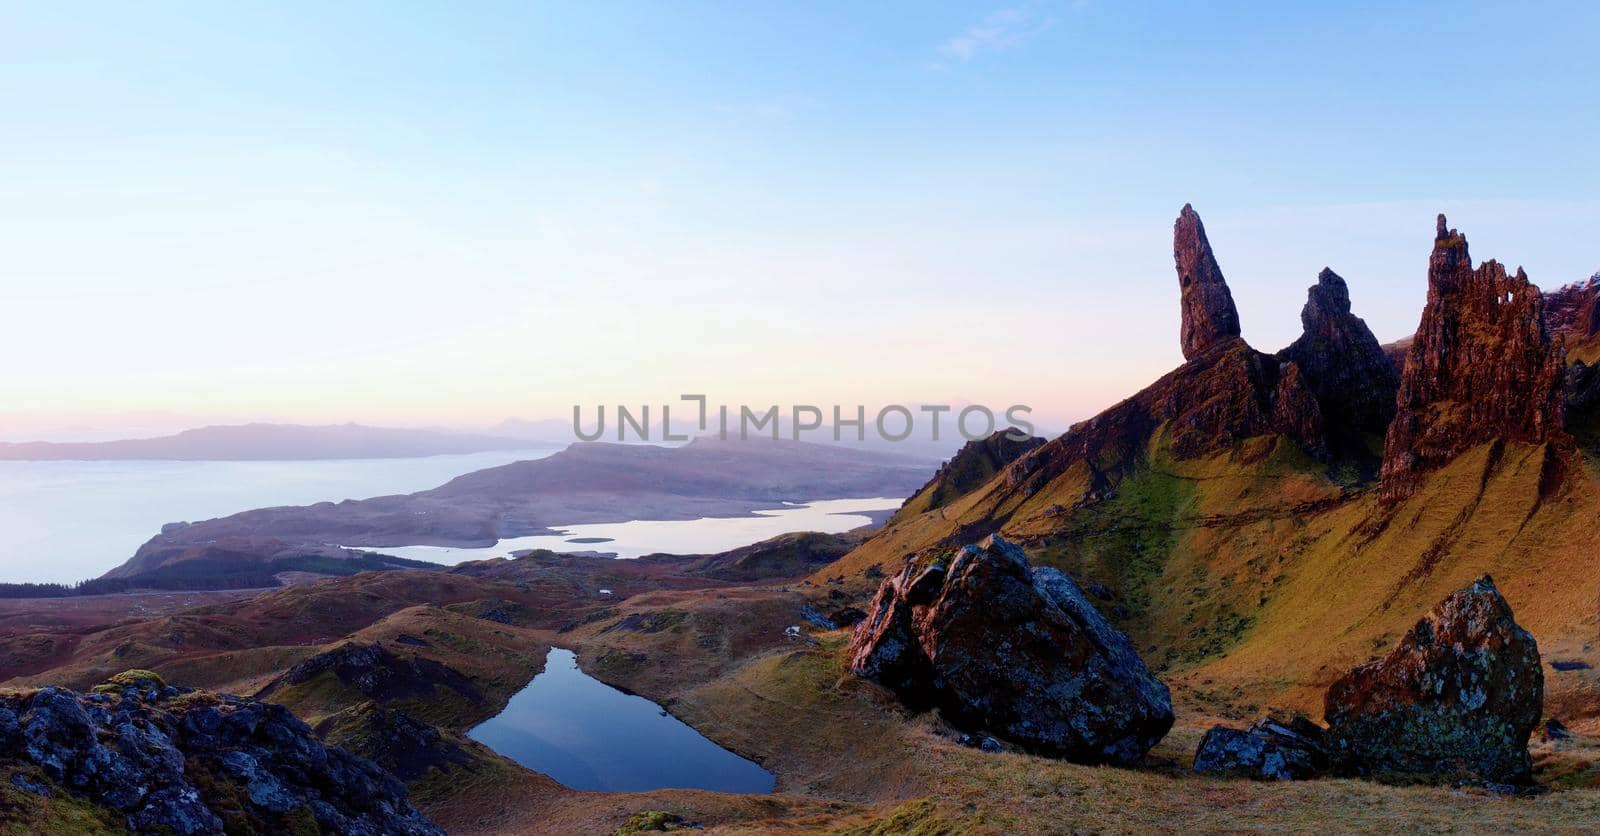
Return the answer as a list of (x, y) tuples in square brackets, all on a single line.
[(268, 442), (587, 482)]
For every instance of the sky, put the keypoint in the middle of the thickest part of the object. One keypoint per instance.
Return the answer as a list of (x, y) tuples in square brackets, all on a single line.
[(429, 214)]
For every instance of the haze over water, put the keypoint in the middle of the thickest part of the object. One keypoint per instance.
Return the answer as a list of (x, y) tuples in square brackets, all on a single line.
[(73, 520)]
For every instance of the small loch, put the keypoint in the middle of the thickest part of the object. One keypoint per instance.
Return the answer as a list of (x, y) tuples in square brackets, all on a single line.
[(590, 736)]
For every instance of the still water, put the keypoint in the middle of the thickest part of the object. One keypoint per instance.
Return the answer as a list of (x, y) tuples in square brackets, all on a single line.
[(707, 535), (590, 736), (71, 520)]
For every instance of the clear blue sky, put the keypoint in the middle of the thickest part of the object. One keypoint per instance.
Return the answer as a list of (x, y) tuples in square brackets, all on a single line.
[(453, 213)]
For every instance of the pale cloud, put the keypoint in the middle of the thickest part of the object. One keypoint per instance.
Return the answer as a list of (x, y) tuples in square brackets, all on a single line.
[(1001, 30)]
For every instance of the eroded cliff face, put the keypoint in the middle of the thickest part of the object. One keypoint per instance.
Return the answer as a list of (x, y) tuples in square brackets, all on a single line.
[(1345, 368), (1572, 313), (1209, 317), (1482, 367)]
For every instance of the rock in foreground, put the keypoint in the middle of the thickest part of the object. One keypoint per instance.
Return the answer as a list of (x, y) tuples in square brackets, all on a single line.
[(1015, 651), (178, 761), (1270, 750), (1457, 698)]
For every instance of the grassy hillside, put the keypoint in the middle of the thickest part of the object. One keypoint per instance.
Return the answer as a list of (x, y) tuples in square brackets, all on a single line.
[(1252, 571)]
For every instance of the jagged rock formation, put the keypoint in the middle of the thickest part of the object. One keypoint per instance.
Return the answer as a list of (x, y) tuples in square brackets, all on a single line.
[(1582, 387), (180, 761), (1015, 651), (1331, 391), (1482, 367), (1345, 368), (1270, 750), (1209, 317), (1207, 405), (1456, 698), (974, 464), (1572, 313)]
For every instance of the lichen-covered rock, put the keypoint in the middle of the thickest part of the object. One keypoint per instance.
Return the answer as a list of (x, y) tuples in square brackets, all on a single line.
[(1012, 650), (1209, 316), (1457, 698), (1481, 368), (178, 761), (1270, 750)]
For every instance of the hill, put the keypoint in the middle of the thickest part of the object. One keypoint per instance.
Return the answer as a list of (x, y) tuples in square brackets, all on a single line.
[(586, 483)]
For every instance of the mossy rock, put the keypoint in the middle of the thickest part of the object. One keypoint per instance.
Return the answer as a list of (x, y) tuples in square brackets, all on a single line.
[(130, 679), (654, 821)]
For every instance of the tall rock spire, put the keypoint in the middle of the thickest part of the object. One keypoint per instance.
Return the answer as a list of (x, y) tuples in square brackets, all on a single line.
[(1482, 367), (1209, 317)]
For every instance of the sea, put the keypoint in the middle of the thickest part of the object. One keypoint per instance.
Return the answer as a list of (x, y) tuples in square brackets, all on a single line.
[(68, 521)]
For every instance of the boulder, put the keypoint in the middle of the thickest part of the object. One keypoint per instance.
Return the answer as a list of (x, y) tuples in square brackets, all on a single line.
[(1481, 368), (1014, 651), (1270, 750), (1457, 698)]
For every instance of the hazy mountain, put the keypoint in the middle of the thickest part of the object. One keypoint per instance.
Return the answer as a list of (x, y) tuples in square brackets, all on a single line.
[(587, 482), (257, 442)]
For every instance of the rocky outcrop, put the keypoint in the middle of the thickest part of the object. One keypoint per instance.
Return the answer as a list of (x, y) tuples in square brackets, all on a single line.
[(395, 741), (1482, 367), (174, 760), (1270, 750), (1582, 387), (1572, 313), (1345, 368), (1573, 316), (1209, 317), (973, 465), (377, 673), (1457, 698), (1331, 391), (1206, 406), (1014, 651)]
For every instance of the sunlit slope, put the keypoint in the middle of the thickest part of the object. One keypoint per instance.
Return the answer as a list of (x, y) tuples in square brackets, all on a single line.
[(1250, 567)]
